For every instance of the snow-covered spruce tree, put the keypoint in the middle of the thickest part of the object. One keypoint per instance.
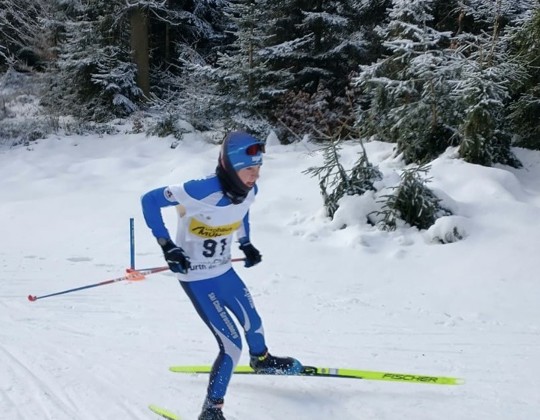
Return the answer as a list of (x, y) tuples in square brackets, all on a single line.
[(405, 95), (525, 111), (335, 181), (477, 16), (237, 88), (489, 77), (262, 76), (412, 202), (184, 77), (95, 79), (24, 40), (25, 49), (182, 31), (301, 113), (241, 76), (312, 48)]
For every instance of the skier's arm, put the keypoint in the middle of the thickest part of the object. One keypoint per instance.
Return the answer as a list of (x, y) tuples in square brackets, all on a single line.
[(243, 230), (253, 256), (152, 202)]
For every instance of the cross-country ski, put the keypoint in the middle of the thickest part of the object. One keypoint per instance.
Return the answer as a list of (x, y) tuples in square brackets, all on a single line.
[(166, 414), (336, 373)]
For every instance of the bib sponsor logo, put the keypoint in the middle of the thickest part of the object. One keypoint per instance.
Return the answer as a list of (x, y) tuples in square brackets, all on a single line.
[(210, 265), (203, 230)]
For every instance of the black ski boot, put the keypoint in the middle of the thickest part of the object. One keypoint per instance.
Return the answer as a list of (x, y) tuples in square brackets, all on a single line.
[(212, 410), (273, 365)]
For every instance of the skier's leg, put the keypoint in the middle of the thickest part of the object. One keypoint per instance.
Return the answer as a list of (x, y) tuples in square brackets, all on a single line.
[(205, 296), (238, 299)]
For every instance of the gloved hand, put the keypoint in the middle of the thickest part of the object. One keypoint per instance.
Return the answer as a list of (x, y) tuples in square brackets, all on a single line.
[(253, 256), (175, 256)]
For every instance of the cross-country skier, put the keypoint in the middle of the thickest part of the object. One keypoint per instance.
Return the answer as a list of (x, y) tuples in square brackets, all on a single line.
[(210, 211)]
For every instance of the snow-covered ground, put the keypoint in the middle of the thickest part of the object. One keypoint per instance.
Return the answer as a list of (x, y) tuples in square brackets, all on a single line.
[(352, 297)]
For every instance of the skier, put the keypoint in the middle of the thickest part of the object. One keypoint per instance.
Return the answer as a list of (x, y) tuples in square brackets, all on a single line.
[(210, 211)]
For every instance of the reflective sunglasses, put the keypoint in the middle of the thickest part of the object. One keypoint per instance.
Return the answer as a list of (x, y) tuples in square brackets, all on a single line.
[(255, 149)]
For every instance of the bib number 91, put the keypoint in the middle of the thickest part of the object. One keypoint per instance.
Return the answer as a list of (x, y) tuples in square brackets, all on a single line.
[(211, 247)]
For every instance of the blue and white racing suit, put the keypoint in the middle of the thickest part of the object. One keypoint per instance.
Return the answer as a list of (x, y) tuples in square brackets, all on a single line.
[(207, 220)]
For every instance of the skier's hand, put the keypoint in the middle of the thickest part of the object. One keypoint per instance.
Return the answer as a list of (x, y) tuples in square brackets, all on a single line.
[(175, 256), (253, 256)]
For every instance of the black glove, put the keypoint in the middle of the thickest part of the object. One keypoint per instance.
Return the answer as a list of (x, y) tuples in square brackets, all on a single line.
[(175, 256), (253, 256)]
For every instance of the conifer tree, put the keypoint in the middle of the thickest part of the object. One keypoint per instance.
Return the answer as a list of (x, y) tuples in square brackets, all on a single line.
[(412, 201), (525, 111), (335, 181), (407, 92), (241, 74), (95, 78), (181, 29), (240, 87), (185, 78), (437, 89), (314, 45), (24, 39), (288, 60), (489, 77), (287, 65)]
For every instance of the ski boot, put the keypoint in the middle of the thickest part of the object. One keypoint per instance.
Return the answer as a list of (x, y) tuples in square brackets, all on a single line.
[(272, 365), (212, 410)]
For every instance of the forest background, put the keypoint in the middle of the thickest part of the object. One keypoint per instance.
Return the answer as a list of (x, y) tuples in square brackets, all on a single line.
[(422, 74)]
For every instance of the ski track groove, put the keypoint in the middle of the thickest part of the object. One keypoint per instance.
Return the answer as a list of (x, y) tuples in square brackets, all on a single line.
[(40, 387), (67, 398)]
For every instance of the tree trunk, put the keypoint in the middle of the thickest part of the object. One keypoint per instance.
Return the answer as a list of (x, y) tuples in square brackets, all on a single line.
[(168, 36), (140, 50)]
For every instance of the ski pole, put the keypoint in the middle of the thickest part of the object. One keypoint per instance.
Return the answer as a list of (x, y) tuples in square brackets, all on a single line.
[(166, 268), (131, 275)]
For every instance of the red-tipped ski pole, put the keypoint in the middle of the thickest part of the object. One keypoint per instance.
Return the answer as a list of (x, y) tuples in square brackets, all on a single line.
[(166, 268), (132, 275)]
